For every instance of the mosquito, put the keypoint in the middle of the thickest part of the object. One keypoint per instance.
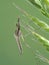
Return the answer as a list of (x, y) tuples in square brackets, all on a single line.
[(17, 35)]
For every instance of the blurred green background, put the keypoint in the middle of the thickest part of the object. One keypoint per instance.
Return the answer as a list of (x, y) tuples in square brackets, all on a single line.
[(9, 53)]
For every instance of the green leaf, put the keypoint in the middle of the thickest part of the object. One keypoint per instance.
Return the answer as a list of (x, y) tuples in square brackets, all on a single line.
[(40, 38), (42, 24), (34, 2), (42, 5)]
